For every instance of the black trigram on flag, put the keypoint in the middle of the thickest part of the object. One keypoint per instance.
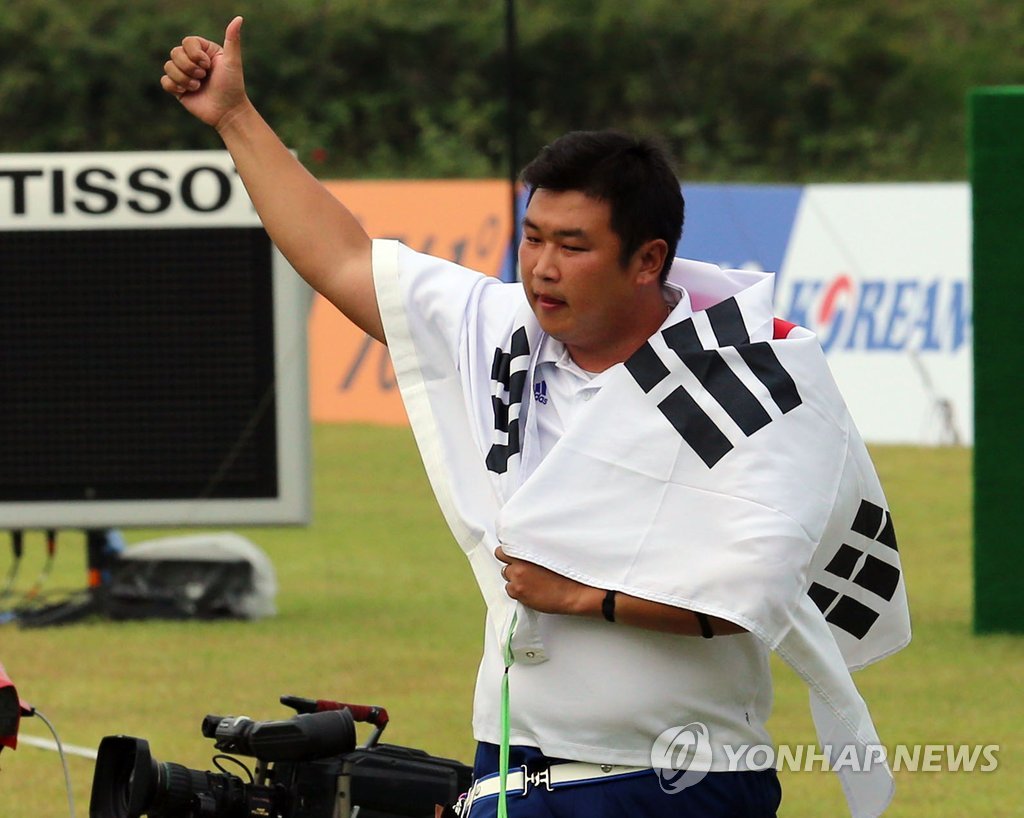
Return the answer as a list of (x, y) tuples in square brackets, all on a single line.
[(864, 570), (717, 378), (508, 380)]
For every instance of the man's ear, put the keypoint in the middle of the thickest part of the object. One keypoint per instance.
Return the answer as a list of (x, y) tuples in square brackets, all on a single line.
[(650, 258)]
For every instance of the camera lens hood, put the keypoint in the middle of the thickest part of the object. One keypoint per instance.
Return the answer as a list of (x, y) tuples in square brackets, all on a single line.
[(125, 779)]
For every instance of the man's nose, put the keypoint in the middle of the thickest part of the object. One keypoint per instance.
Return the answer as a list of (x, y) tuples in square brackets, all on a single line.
[(546, 266)]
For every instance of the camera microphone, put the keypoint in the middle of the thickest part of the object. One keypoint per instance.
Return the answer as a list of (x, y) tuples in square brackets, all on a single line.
[(300, 738)]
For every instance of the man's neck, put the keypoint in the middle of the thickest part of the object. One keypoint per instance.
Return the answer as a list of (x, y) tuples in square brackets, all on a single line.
[(605, 357)]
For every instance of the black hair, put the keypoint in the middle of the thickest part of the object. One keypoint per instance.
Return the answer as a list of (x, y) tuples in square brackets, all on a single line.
[(634, 175)]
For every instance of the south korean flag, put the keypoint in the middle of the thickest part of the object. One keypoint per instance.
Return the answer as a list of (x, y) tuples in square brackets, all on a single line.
[(856, 579), (728, 389), (718, 470), (716, 349), (509, 371)]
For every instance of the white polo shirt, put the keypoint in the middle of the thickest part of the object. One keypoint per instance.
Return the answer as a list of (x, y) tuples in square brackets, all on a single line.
[(606, 691)]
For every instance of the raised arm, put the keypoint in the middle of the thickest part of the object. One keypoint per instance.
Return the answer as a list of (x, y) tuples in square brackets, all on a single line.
[(318, 235)]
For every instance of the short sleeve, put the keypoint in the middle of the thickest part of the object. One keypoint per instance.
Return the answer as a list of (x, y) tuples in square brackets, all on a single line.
[(431, 305)]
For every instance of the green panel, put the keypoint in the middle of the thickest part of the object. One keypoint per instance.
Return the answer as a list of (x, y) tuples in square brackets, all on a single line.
[(997, 180)]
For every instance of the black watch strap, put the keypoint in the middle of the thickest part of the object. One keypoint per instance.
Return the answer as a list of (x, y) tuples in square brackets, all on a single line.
[(705, 625), (608, 606)]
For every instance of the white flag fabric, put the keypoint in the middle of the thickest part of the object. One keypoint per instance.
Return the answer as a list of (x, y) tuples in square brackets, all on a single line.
[(717, 470)]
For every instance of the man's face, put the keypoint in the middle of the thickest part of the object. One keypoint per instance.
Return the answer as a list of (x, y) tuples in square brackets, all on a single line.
[(570, 260)]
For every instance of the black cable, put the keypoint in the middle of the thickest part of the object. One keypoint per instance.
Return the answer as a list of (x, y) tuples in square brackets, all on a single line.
[(73, 606), (63, 760), (219, 758), (17, 551), (44, 574), (36, 607)]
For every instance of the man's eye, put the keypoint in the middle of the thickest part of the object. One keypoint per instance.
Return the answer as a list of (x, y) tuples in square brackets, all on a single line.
[(531, 239), (573, 249)]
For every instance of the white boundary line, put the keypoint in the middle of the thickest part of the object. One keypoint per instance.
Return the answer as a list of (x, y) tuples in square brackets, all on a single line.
[(49, 744)]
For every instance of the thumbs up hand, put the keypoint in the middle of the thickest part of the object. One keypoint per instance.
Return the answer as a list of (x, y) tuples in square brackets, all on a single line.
[(207, 78)]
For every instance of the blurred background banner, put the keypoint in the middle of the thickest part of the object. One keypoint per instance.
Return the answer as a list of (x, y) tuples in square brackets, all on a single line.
[(467, 221), (881, 272)]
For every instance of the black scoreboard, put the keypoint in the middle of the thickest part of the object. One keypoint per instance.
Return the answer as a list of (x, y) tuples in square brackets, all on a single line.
[(152, 347)]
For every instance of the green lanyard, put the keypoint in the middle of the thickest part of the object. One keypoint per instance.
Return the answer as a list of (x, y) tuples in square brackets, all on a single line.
[(505, 730)]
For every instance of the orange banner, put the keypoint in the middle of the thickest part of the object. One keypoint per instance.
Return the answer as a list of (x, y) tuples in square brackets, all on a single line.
[(469, 222)]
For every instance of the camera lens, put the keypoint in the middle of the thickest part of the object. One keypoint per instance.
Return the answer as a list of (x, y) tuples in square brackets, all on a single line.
[(129, 783), (124, 779)]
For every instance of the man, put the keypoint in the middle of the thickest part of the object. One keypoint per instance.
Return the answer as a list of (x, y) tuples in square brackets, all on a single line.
[(568, 489)]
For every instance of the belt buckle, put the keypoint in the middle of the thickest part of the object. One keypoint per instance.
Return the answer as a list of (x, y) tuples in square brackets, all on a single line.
[(536, 779)]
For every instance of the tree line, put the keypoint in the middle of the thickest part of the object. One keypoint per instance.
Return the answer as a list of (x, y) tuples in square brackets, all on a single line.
[(740, 90)]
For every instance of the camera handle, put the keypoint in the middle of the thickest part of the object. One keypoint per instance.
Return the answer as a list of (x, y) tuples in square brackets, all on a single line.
[(371, 714)]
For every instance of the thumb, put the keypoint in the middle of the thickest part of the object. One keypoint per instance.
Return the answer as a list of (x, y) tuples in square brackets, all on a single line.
[(233, 41)]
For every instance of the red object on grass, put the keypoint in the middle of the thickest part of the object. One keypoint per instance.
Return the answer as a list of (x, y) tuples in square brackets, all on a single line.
[(11, 710)]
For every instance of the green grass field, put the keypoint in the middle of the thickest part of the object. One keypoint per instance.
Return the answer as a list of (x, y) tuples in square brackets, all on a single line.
[(376, 605)]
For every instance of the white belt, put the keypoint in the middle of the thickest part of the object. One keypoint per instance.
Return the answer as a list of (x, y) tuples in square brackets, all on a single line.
[(519, 781)]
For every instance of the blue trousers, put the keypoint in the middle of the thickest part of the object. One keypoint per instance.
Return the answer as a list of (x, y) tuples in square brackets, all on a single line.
[(718, 795)]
